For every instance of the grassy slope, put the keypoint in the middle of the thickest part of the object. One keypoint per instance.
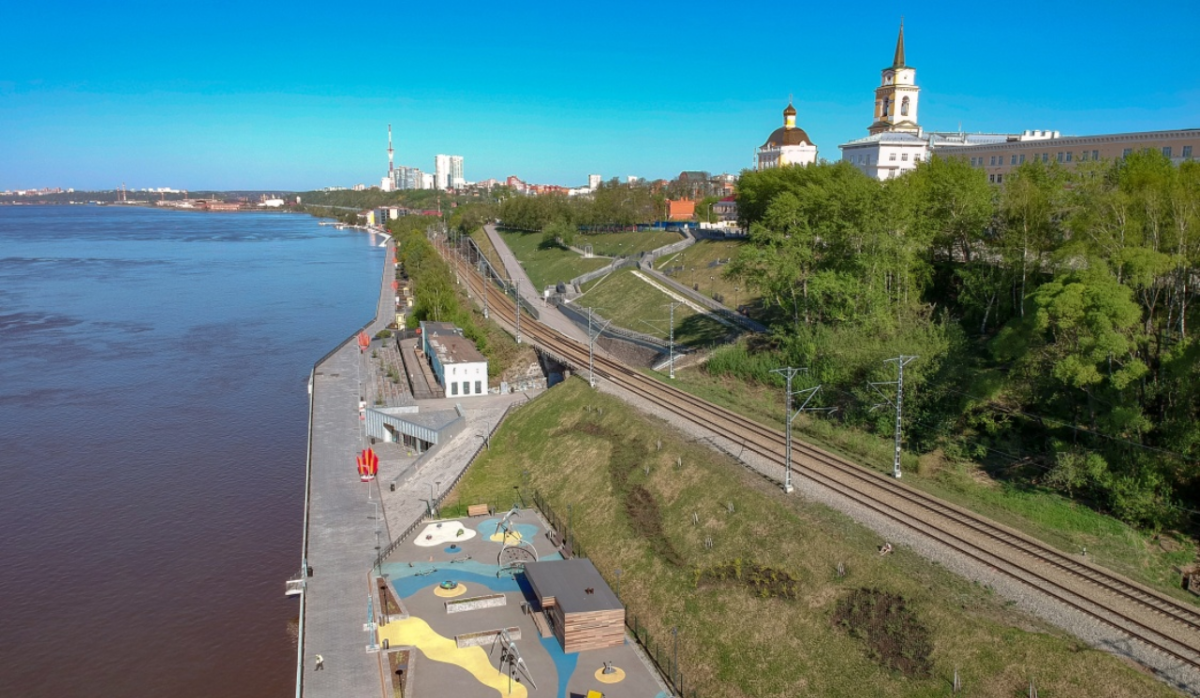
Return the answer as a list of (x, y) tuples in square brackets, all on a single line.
[(628, 300), (731, 643), (1044, 515), (547, 266), (628, 244), (701, 257)]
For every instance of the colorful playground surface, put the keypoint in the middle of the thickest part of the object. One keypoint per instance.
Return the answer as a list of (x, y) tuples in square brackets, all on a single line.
[(460, 583)]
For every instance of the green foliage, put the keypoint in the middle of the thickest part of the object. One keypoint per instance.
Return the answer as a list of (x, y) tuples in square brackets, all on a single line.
[(1080, 285)]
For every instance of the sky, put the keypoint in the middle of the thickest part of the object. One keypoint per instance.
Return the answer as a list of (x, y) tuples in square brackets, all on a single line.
[(298, 96)]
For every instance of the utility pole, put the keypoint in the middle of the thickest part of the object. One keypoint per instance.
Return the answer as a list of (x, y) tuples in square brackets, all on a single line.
[(486, 283), (517, 298), (901, 362), (592, 347), (671, 335), (789, 373)]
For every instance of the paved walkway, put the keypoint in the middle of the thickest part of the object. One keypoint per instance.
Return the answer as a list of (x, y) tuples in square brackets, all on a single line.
[(549, 316), (341, 526)]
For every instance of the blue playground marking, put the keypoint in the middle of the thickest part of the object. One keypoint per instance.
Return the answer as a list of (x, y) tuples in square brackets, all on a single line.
[(452, 549), (564, 663), (528, 532), (407, 586)]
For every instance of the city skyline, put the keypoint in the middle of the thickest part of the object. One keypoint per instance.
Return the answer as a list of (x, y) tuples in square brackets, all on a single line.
[(151, 99)]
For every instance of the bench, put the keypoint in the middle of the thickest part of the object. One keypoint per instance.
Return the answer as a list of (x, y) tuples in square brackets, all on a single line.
[(478, 510)]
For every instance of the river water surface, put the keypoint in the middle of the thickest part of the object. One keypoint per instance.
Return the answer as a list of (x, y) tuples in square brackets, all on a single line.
[(153, 423)]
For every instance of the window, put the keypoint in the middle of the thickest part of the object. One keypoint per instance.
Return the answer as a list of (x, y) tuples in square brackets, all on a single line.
[(999, 178), (904, 107), (1167, 151), (892, 157), (917, 157), (972, 162), (1083, 156), (1013, 161), (478, 391), (1060, 157), (1022, 160), (1045, 157), (454, 388), (1095, 154), (1127, 152), (992, 178), (904, 157), (1187, 152), (992, 162), (1068, 156), (466, 387)]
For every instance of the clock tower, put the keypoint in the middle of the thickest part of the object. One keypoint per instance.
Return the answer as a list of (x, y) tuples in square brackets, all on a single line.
[(896, 97)]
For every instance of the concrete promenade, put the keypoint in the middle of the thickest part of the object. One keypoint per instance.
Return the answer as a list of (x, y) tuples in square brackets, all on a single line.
[(341, 527), (341, 537)]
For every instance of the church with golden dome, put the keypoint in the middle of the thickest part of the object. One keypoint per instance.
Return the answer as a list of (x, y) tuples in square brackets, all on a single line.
[(787, 145)]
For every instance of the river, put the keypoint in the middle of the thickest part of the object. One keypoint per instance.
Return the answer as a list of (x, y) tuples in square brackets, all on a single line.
[(153, 417)]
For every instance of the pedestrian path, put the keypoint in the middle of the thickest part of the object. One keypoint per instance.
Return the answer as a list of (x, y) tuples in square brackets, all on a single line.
[(341, 526)]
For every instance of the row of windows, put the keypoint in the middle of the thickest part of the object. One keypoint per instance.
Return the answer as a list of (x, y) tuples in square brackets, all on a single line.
[(466, 388), (1066, 156), (904, 157)]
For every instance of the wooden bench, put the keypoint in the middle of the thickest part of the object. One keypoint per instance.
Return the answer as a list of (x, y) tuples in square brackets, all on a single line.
[(478, 510)]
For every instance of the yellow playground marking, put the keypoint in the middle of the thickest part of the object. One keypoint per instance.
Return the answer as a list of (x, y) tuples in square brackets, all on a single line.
[(416, 632), (512, 539), (617, 676), (451, 593)]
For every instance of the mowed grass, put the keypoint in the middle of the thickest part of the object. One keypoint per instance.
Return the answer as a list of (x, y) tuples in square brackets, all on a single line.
[(628, 244), (632, 303), (1045, 515), (732, 643), (547, 265), (700, 261), (489, 250)]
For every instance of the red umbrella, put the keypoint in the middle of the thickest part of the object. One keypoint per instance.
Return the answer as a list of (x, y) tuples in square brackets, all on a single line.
[(363, 341), (395, 285)]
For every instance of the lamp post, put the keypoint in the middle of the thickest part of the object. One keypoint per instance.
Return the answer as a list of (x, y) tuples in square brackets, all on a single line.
[(735, 298), (711, 284)]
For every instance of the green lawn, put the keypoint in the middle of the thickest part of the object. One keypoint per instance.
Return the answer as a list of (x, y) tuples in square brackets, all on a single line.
[(548, 265), (583, 449), (1045, 515), (632, 303), (628, 244), (703, 260)]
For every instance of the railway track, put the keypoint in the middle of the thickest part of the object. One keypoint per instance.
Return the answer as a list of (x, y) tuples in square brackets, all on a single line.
[(1159, 622)]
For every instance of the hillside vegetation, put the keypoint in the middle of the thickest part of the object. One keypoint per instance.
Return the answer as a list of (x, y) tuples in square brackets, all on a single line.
[(791, 598), (1053, 317)]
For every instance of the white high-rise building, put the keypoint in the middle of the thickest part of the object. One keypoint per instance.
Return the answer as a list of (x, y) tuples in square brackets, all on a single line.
[(594, 181), (448, 171), (428, 181)]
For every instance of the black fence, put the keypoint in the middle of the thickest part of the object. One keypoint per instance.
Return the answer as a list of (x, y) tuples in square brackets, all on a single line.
[(664, 656)]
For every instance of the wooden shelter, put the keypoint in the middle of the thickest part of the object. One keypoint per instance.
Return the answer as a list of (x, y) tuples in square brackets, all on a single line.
[(583, 611)]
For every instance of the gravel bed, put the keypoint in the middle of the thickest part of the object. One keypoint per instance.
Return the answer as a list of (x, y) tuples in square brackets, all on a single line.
[(1027, 598)]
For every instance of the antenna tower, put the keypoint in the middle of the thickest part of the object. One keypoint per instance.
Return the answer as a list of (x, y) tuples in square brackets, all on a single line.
[(390, 151)]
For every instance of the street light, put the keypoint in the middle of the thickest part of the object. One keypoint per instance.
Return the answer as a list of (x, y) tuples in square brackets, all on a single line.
[(711, 284)]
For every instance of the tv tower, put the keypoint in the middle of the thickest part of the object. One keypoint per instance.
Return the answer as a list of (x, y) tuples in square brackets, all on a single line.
[(390, 151)]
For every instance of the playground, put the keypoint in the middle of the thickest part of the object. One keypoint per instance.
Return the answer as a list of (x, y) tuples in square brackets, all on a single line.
[(458, 599)]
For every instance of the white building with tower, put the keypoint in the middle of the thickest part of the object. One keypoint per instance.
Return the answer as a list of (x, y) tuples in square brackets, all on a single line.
[(787, 145), (896, 142)]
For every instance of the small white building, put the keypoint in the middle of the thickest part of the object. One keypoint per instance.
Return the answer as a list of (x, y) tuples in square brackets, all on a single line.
[(787, 145), (458, 365)]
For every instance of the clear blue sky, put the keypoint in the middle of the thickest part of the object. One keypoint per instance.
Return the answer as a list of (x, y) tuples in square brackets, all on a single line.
[(298, 95)]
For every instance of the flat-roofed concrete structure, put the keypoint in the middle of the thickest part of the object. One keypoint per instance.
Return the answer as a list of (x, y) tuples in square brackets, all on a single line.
[(458, 365), (583, 611)]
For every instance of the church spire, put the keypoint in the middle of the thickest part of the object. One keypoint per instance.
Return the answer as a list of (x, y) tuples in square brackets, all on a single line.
[(899, 61)]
